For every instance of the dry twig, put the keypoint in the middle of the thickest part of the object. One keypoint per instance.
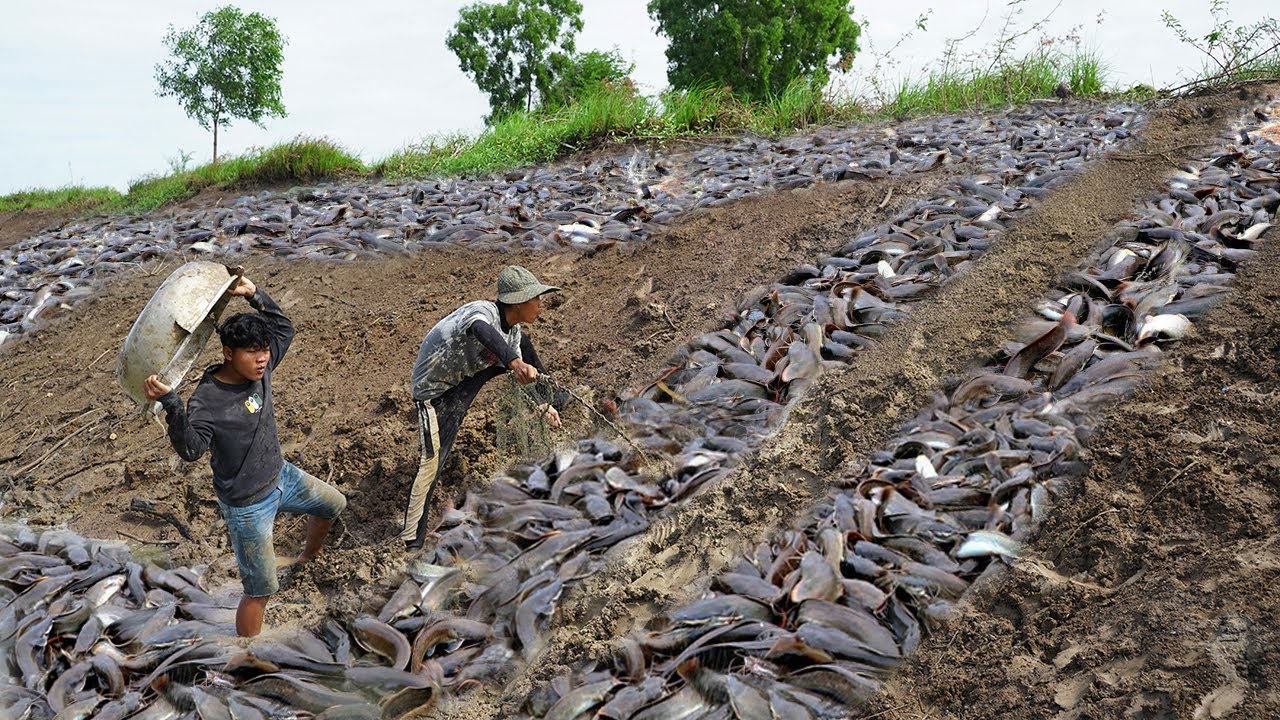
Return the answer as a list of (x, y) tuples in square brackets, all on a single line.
[(146, 507)]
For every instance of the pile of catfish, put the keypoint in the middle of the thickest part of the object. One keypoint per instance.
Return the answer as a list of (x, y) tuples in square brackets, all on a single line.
[(806, 625), (615, 197), (542, 527)]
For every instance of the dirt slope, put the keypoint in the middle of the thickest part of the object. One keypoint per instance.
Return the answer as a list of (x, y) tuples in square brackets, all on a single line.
[(846, 413), (1151, 592), (1159, 605)]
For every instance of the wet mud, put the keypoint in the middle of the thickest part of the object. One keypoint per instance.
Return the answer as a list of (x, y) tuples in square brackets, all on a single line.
[(1074, 632)]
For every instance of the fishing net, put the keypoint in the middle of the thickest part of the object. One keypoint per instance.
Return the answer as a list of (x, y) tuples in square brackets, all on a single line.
[(523, 431)]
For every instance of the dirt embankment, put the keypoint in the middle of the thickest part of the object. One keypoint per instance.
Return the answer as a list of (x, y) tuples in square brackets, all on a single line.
[(1150, 592), (1159, 605), (18, 225)]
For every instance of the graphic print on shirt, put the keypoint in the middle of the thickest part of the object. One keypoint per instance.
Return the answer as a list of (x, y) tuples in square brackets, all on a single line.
[(253, 403)]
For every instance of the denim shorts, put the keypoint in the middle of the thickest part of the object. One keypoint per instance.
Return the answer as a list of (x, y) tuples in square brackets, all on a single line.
[(251, 526)]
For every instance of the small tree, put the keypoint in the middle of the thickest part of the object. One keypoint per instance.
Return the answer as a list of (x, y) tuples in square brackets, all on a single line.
[(586, 72), (227, 66), (511, 50), (757, 47)]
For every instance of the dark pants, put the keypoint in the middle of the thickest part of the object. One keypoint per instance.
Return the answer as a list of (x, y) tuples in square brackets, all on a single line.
[(438, 424)]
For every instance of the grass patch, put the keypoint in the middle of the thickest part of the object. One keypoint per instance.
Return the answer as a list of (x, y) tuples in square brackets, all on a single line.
[(65, 198), (1038, 75), (522, 139), (612, 113), (301, 160)]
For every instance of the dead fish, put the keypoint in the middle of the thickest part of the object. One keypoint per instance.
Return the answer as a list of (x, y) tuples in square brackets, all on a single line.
[(355, 711), (817, 580), (1171, 326), (984, 543), (580, 700), (627, 701), (839, 644), (379, 637), (802, 362), (539, 602), (1023, 361), (403, 602), (407, 700), (842, 684), (990, 384), (747, 702), (750, 586), (299, 693), (683, 705), (1252, 233), (1071, 363), (856, 622), (446, 630)]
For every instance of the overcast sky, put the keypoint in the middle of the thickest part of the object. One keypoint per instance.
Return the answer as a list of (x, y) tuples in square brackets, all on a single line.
[(77, 78)]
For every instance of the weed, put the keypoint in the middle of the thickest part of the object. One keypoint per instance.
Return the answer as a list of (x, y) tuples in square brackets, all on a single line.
[(1233, 53)]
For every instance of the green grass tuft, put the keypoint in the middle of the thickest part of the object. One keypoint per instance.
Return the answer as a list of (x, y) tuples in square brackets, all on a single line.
[(973, 87), (70, 198), (301, 160)]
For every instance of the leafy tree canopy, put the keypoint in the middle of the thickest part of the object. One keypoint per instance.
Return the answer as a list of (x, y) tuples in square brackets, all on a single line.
[(585, 72), (512, 50), (227, 66), (754, 46)]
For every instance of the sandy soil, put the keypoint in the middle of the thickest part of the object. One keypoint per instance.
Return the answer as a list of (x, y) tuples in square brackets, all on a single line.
[(1160, 603)]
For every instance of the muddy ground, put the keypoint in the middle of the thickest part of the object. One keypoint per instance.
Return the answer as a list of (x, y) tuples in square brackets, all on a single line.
[(1151, 592), (76, 451), (847, 413), (18, 225), (1159, 602)]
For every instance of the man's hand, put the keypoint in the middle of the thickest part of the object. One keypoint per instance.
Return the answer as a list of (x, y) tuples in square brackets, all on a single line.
[(524, 372), (551, 414), (244, 288), (154, 389)]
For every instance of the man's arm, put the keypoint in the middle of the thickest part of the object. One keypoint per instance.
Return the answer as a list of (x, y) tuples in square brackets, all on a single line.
[(542, 393), (189, 435), (278, 324), (495, 343), (492, 341)]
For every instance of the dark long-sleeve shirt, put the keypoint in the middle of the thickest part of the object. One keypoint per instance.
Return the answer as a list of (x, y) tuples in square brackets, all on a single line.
[(236, 423), (493, 341)]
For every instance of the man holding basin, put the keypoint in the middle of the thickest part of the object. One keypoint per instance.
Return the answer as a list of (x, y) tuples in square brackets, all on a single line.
[(231, 414)]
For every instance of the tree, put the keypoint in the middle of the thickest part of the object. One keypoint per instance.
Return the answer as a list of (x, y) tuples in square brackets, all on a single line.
[(512, 50), (227, 66), (585, 72), (756, 47)]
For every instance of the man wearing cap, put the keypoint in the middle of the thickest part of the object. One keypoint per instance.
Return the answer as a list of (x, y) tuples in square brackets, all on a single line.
[(477, 342)]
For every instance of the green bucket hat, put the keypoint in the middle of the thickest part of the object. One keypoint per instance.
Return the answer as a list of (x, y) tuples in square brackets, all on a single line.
[(517, 285)]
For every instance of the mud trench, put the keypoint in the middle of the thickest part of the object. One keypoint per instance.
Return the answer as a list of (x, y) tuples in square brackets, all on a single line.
[(354, 429)]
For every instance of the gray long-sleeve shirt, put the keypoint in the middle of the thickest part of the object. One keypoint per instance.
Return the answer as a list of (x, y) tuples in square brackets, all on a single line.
[(236, 423)]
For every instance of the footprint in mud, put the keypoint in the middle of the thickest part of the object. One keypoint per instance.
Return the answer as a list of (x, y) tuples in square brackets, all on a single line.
[(1227, 651)]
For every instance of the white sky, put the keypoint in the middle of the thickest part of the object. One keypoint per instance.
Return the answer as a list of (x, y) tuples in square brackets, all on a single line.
[(77, 79)]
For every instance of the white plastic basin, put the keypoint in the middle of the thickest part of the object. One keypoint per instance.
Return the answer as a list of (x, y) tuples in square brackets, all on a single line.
[(173, 328)]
